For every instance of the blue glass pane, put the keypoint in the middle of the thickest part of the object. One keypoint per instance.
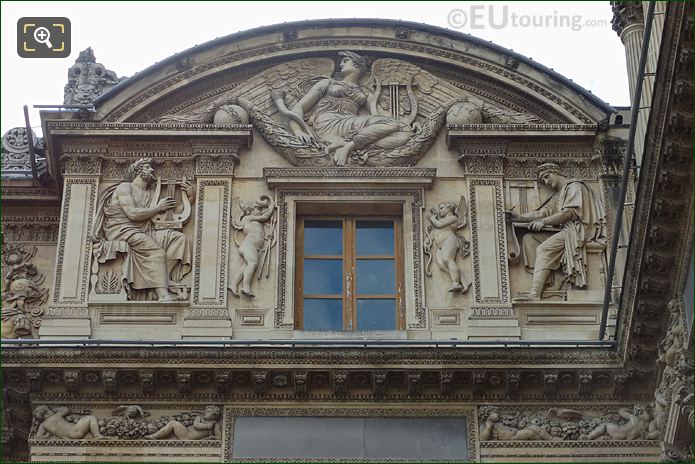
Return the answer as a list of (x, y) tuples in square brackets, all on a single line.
[(376, 277), (376, 314), (323, 314), (374, 238), (323, 276), (323, 237)]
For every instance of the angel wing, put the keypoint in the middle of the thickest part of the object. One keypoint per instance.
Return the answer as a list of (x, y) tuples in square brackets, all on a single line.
[(130, 412), (119, 410), (200, 115), (496, 115), (237, 214), (462, 213), (565, 414), (295, 77), (427, 93)]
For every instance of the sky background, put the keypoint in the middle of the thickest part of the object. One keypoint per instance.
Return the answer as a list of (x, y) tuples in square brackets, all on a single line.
[(573, 38)]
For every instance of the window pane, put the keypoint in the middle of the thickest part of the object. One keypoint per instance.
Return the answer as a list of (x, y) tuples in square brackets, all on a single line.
[(374, 238), (376, 277), (323, 276), (323, 314), (376, 314), (323, 237)]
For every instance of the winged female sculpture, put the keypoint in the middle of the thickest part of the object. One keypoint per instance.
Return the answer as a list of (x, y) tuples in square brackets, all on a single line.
[(388, 114)]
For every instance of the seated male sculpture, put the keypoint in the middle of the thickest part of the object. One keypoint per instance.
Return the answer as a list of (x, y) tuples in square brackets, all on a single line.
[(157, 259), (579, 215)]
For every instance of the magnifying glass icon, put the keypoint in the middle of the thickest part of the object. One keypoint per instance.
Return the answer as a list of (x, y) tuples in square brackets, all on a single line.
[(43, 35)]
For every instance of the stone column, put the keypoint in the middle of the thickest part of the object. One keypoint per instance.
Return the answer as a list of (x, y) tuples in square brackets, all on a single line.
[(67, 315), (208, 315), (492, 316), (628, 22)]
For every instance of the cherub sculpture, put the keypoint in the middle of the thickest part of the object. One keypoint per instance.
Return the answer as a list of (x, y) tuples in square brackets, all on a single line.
[(54, 424), (205, 425), (255, 247), (635, 424), (447, 219)]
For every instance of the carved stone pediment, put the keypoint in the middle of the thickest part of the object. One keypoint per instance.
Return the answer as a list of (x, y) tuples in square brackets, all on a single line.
[(386, 113)]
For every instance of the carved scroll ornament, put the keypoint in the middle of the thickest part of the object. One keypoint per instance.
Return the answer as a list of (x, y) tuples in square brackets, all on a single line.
[(23, 294)]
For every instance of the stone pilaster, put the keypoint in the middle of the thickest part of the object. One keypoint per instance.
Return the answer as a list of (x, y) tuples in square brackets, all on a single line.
[(208, 315), (67, 315), (492, 316)]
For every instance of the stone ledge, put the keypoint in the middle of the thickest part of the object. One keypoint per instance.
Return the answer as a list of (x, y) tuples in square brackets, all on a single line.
[(397, 176)]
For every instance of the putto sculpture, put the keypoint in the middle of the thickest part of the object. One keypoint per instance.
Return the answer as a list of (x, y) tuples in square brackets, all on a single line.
[(560, 229), (254, 248), (129, 221), (54, 424), (384, 114), (205, 425), (447, 219), (561, 424)]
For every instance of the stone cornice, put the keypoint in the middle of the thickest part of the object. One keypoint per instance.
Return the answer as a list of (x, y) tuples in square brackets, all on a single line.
[(278, 177), (148, 130), (123, 103), (283, 379), (293, 356), (663, 210)]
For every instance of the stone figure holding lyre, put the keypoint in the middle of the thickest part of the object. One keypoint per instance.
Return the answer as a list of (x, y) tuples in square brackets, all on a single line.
[(132, 219)]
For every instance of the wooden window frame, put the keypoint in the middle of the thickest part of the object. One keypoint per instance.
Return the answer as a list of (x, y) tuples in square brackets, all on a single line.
[(349, 258)]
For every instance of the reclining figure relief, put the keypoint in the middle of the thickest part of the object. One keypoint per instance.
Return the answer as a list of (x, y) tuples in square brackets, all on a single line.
[(382, 112)]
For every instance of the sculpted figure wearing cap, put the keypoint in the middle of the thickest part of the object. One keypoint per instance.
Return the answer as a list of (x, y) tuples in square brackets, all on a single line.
[(580, 216)]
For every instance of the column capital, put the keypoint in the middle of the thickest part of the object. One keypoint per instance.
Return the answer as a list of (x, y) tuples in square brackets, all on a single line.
[(626, 14)]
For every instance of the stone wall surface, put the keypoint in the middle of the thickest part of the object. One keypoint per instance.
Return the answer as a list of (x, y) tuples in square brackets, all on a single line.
[(184, 202)]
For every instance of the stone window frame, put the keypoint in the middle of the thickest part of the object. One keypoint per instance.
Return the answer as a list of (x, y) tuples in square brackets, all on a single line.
[(348, 215), (412, 410), (411, 200)]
